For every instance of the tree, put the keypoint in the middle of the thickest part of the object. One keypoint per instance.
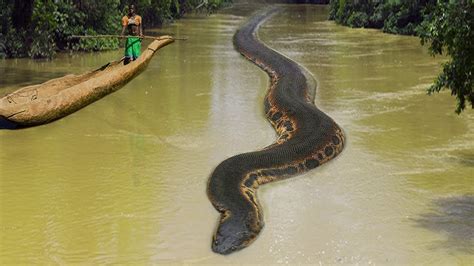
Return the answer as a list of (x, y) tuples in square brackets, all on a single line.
[(449, 30), (22, 12)]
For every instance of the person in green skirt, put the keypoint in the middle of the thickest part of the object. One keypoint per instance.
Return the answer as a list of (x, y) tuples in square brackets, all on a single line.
[(132, 24)]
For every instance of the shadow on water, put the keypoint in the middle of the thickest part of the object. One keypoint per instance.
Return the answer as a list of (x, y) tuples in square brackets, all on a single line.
[(6, 124), (453, 217)]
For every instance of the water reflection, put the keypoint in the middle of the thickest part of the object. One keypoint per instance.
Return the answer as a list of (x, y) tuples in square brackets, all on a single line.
[(13, 78)]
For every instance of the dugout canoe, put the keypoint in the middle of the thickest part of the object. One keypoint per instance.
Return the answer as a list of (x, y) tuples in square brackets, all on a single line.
[(43, 103)]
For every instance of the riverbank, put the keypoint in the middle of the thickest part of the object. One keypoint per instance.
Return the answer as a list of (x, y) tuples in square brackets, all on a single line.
[(398, 17), (444, 26), (39, 29)]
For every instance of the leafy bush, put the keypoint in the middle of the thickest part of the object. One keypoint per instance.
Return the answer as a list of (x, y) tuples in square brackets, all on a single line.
[(15, 44), (95, 44), (358, 20), (333, 9), (211, 5), (44, 23), (390, 24), (379, 15), (69, 22), (157, 12), (401, 17), (343, 11), (3, 47)]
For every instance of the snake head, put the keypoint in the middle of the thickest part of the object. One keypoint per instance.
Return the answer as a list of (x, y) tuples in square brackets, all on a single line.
[(234, 234)]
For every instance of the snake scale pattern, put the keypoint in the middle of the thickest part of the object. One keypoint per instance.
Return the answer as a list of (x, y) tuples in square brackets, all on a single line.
[(307, 138)]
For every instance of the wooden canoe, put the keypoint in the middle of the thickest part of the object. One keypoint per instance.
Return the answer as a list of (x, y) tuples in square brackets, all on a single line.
[(56, 98)]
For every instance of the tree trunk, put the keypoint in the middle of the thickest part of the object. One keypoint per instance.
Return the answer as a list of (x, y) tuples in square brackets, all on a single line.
[(22, 12)]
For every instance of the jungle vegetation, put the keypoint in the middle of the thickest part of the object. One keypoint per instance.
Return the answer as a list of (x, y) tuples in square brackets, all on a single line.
[(446, 26), (40, 28)]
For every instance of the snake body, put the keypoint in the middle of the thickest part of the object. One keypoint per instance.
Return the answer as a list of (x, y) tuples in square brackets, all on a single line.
[(307, 138)]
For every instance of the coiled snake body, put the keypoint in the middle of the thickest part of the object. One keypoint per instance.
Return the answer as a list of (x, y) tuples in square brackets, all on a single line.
[(307, 138)]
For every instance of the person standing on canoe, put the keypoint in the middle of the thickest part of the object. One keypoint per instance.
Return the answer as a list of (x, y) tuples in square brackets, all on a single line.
[(132, 24)]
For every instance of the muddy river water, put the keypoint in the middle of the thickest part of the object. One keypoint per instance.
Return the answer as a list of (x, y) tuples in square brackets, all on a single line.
[(124, 179)]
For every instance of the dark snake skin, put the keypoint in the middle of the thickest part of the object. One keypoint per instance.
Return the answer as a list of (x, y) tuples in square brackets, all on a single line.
[(307, 138)]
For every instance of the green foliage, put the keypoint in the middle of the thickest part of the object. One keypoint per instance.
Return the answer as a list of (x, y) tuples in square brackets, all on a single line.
[(43, 22), (333, 9), (11, 42), (449, 30), (5, 11), (103, 16), (358, 19), (342, 11), (213, 5), (69, 22), (15, 44), (394, 16), (53, 22), (3, 47), (158, 12), (91, 18)]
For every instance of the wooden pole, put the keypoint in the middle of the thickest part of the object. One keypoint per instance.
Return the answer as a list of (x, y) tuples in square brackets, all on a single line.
[(123, 37)]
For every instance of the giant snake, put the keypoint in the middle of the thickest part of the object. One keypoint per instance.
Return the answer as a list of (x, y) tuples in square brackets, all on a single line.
[(307, 138)]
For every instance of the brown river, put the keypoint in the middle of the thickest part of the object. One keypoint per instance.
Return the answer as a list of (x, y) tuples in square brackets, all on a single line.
[(123, 181)]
